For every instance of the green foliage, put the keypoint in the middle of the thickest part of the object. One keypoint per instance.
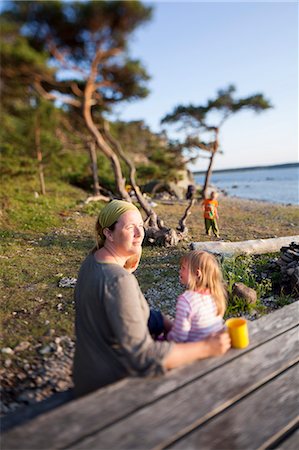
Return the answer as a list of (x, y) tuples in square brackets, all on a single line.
[(284, 300), (207, 119), (84, 32), (93, 208), (224, 104), (21, 65), (245, 269), (146, 172), (18, 146), (79, 30), (15, 50)]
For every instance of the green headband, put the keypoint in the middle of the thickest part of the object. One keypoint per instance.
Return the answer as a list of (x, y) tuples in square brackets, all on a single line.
[(110, 214)]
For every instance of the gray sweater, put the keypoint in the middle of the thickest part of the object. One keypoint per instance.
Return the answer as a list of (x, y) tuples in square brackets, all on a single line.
[(112, 338)]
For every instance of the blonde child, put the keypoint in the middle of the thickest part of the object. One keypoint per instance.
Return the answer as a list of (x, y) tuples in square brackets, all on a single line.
[(200, 309)]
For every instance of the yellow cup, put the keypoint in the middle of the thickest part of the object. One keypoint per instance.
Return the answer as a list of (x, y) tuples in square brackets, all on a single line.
[(238, 331)]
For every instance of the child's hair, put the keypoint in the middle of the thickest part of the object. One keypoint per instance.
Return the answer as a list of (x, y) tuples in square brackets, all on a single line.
[(210, 276)]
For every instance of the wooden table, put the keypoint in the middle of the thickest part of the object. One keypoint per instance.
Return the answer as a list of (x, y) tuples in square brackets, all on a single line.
[(244, 400)]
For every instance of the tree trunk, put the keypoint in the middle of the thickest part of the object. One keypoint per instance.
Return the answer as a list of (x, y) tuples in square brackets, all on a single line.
[(152, 216), (156, 232), (103, 146), (39, 156), (208, 176), (209, 171), (94, 167)]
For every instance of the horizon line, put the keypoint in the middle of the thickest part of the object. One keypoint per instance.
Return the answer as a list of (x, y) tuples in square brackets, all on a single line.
[(196, 172)]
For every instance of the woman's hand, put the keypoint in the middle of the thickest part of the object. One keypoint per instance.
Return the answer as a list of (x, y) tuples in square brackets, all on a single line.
[(219, 343)]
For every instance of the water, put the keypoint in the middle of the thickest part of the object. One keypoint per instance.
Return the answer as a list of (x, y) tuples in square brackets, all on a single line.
[(272, 184)]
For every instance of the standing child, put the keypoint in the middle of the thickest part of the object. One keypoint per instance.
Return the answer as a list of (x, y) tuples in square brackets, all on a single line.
[(200, 309), (209, 206)]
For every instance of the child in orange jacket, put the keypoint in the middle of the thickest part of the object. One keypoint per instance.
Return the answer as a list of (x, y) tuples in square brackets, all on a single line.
[(209, 206)]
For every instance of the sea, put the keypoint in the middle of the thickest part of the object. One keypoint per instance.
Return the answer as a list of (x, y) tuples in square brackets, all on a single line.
[(275, 184)]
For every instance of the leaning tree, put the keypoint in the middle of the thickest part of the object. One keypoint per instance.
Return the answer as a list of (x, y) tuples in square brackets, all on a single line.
[(201, 134), (87, 44)]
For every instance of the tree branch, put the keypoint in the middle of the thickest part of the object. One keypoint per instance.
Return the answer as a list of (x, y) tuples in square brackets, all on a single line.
[(53, 97)]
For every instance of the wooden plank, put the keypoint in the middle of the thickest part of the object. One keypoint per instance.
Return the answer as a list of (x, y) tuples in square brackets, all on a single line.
[(268, 327), (282, 435), (291, 442), (252, 421), (102, 408)]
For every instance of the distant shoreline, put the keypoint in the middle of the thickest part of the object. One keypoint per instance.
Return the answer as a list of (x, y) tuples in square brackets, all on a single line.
[(242, 169)]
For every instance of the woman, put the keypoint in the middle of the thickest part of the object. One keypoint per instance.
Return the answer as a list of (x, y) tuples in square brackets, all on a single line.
[(112, 337)]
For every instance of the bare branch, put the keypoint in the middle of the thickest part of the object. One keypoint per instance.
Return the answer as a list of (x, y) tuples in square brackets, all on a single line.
[(182, 222), (76, 90), (61, 57), (53, 97)]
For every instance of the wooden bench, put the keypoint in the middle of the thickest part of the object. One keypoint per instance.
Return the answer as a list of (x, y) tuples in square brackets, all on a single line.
[(247, 399)]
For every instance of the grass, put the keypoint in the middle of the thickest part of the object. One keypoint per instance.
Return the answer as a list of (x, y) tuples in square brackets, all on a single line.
[(46, 238)]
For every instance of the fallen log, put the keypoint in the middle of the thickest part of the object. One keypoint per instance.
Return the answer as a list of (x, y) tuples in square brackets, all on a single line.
[(251, 247)]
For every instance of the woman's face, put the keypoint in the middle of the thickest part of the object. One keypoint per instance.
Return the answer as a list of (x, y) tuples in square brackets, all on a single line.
[(128, 234)]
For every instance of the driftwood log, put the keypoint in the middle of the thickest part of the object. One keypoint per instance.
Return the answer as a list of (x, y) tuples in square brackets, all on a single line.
[(182, 227), (163, 237), (251, 247)]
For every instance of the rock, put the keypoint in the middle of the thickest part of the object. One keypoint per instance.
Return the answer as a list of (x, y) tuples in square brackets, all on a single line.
[(22, 346), (66, 282), (45, 350), (7, 351), (26, 397), (288, 263), (244, 292)]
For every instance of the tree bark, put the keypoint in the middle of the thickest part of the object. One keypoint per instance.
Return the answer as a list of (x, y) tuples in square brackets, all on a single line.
[(102, 144), (209, 171), (39, 155), (94, 167)]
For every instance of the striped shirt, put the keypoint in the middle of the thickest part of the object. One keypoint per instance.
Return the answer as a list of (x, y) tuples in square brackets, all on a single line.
[(196, 317)]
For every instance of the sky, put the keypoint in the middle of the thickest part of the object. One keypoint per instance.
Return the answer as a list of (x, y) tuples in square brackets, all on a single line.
[(193, 49)]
